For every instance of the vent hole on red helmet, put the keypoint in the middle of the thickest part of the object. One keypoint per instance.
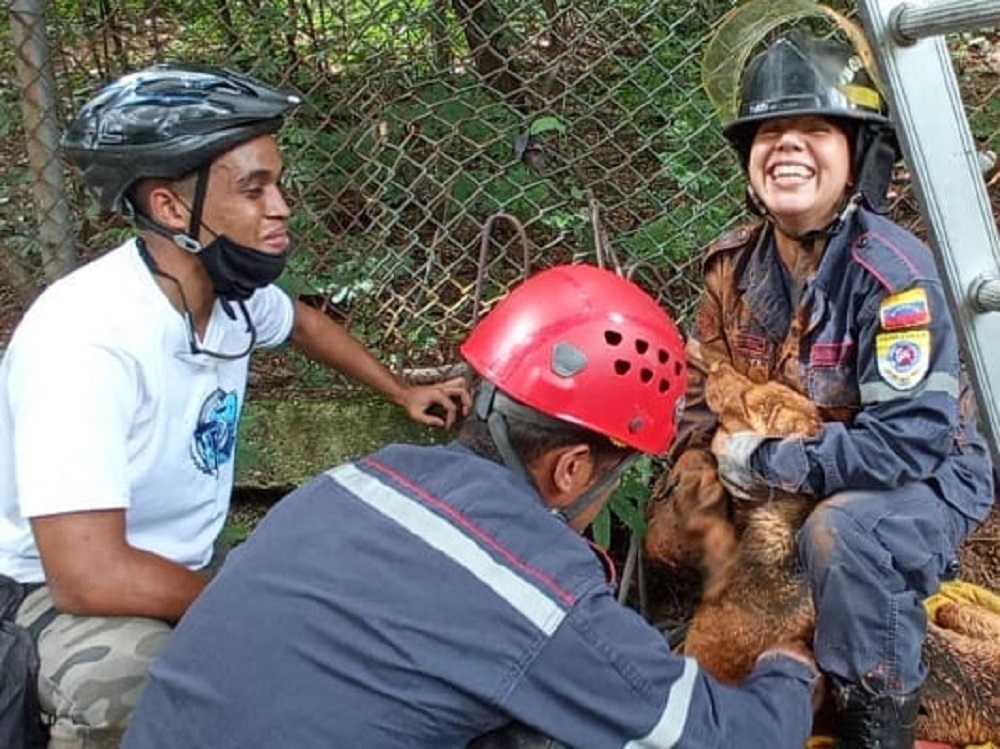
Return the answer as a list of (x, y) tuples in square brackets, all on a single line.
[(613, 337), (664, 386), (622, 366), (641, 346), (663, 356), (678, 368), (646, 375)]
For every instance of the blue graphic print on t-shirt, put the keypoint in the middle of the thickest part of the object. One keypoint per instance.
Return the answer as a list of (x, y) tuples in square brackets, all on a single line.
[(214, 438)]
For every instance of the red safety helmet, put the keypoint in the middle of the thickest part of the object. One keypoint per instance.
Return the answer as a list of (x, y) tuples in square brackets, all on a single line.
[(588, 347)]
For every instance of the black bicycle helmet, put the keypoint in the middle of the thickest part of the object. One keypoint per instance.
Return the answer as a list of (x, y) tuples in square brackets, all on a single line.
[(802, 75), (167, 121)]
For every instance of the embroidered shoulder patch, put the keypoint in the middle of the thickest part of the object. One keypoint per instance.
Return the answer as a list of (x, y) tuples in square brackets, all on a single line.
[(907, 309), (903, 358)]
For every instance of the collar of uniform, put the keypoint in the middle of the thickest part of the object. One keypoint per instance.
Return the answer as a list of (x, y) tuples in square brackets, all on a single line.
[(762, 287), (836, 254)]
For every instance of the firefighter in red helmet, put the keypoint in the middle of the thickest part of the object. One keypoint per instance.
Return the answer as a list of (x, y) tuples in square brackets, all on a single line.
[(425, 596)]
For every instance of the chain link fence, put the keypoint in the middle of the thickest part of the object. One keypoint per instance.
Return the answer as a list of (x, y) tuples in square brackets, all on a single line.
[(582, 121)]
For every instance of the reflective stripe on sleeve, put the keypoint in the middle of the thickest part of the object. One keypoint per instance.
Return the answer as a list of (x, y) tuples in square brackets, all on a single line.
[(530, 601), (937, 382), (668, 729)]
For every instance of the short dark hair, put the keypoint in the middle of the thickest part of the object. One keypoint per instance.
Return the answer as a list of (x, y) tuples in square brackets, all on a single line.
[(531, 440), (138, 192)]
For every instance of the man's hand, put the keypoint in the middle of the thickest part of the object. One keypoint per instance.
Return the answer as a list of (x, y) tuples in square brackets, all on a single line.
[(437, 405), (733, 453), (326, 342)]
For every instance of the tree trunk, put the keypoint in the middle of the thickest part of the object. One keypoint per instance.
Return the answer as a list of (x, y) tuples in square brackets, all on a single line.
[(109, 28), (440, 41), (291, 29), (556, 27), (484, 29), (314, 54), (235, 46)]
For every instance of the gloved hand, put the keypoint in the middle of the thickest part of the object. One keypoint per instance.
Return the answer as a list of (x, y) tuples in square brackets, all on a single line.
[(733, 452)]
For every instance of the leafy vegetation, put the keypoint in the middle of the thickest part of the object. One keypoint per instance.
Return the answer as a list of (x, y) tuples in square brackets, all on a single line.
[(408, 124), (627, 505), (424, 117)]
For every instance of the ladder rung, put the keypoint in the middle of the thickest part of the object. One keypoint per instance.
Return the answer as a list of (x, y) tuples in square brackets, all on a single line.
[(985, 294), (910, 22)]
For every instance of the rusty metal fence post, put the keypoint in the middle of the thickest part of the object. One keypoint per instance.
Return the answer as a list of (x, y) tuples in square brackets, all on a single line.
[(41, 128)]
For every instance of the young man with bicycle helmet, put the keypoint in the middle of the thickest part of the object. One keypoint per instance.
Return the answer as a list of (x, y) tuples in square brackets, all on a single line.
[(121, 390)]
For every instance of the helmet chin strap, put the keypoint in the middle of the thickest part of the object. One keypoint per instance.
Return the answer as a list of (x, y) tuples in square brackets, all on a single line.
[(189, 241), (143, 221), (812, 236), (878, 153), (490, 406), (198, 204), (494, 407), (597, 490)]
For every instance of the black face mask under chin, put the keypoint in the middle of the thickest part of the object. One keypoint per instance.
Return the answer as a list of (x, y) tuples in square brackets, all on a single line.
[(236, 270)]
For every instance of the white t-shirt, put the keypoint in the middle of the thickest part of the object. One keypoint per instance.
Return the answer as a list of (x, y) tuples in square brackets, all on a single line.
[(102, 406)]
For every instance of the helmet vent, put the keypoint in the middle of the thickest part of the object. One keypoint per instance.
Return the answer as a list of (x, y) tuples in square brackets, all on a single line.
[(568, 360), (613, 337), (641, 346), (664, 386), (622, 367), (645, 375)]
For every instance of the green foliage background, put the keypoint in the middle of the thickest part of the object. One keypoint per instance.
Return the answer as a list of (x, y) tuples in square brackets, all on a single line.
[(422, 118)]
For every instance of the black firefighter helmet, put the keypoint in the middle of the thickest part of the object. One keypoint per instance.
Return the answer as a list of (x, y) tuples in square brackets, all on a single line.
[(802, 75)]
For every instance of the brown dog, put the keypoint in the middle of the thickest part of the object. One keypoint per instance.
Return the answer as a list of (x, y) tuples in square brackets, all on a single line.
[(755, 593)]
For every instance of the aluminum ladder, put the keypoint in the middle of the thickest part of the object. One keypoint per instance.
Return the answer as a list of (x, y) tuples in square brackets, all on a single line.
[(908, 42)]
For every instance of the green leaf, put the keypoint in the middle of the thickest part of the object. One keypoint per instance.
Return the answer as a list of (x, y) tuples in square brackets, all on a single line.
[(630, 512), (600, 528), (545, 125)]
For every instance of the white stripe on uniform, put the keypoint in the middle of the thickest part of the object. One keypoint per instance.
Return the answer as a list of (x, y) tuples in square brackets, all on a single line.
[(530, 601), (667, 731)]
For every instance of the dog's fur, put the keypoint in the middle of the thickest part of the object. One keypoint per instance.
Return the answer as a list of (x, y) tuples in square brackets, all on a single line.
[(755, 593)]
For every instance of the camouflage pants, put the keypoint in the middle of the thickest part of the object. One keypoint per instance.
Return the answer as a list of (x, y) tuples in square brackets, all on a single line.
[(92, 670)]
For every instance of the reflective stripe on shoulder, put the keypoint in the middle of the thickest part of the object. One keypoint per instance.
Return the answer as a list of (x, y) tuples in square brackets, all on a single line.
[(668, 729), (535, 604), (937, 382)]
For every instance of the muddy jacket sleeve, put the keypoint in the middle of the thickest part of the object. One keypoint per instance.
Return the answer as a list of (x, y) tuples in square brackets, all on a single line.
[(707, 342)]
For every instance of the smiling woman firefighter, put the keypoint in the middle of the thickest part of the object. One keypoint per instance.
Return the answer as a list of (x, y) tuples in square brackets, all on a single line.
[(825, 294)]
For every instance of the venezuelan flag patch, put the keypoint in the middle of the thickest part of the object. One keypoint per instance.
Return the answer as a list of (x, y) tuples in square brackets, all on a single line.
[(907, 309)]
